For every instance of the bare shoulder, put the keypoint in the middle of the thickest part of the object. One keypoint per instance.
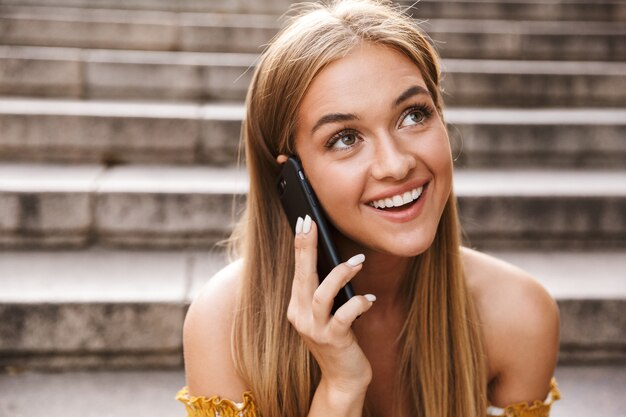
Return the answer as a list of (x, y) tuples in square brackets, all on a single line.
[(209, 367), (520, 323)]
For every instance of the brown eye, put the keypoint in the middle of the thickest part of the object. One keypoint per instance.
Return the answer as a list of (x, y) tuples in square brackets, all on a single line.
[(415, 116), (343, 140), (348, 140)]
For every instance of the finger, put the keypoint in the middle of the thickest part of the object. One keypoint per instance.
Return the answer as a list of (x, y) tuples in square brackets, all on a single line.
[(346, 314), (325, 294), (305, 277)]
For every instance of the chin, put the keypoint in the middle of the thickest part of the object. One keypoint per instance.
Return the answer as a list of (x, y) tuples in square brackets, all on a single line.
[(408, 244), (411, 250), (404, 246)]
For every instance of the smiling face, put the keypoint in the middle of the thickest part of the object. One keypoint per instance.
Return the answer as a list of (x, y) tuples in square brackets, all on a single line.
[(376, 151)]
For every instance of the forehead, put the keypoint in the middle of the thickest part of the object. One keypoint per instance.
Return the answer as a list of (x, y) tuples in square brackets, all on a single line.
[(368, 74)]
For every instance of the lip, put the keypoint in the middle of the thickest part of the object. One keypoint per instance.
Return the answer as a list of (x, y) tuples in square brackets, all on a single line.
[(399, 190), (409, 213)]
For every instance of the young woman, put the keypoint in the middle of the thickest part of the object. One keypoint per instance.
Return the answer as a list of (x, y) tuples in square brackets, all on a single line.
[(438, 330)]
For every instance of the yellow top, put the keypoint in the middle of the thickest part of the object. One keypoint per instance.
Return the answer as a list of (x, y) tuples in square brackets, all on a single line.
[(528, 409), (217, 407)]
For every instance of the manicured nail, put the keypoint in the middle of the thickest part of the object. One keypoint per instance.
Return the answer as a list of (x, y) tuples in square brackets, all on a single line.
[(299, 225), (370, 297), (356, 260), (306, 227)]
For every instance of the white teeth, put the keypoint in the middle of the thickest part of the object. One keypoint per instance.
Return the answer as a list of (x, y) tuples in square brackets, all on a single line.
[(398, 200)]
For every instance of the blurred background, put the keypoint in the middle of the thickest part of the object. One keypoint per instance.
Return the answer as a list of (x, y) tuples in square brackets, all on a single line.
[(119, 128)]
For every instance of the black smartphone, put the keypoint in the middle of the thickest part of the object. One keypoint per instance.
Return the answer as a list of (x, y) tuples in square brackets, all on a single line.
[(298, 200)]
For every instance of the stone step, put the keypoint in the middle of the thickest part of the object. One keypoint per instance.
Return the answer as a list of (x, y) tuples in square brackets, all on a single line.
[(586, 391), (568, 10), (103, 308), (602, 10), (77, 131), (167, 206), (179, 6), (542, 138), (98, 308), (528, 40), (157, 206), (158, 75), (167, 31)]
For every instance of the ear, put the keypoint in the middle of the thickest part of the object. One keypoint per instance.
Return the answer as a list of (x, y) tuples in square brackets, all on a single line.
[(281, 159)]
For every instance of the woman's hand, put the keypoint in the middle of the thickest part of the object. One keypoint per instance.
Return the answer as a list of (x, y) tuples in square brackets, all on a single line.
[(345, 369)]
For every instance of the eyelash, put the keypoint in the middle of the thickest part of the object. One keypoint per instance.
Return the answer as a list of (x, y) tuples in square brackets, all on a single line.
[(426, 110), (337, 136)]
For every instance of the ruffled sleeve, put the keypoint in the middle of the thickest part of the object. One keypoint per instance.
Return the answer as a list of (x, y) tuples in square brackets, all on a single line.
[(216, 406), (528, 409)]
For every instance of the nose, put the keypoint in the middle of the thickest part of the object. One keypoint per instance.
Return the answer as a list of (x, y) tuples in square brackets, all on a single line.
[(391, 160)]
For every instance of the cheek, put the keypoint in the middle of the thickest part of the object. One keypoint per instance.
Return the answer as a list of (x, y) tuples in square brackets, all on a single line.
[(435, 154), (444, 162), (438, 155), (338, 191)]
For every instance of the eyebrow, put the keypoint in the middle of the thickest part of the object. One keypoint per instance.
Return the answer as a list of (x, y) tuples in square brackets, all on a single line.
[(333, 118), (415, 90), (344, 117)]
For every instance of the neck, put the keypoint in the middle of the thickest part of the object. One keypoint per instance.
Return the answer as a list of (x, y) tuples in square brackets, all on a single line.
[(381, 275)]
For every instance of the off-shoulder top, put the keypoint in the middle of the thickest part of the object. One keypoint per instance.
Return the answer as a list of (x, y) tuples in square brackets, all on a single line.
[(218, 407)]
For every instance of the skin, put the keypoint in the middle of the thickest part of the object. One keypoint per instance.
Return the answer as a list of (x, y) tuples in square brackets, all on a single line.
[(384, 141)]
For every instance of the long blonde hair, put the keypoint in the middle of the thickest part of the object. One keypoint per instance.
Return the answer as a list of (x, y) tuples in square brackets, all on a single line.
[(441, 365)]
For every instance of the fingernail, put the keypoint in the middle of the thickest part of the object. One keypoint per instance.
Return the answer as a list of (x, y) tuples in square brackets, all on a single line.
[(370, 297), (356, 260), (299, 225), (306, 227)]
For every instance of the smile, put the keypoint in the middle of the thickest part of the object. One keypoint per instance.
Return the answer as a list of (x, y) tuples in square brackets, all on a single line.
[(398, 200)]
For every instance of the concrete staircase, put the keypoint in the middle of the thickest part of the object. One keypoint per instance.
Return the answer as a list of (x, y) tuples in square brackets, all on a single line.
[(119, 126)]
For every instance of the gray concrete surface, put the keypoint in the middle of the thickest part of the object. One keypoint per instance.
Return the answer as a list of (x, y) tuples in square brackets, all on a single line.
[(47, 130), (606, 10), (219, 32), (586, 391), (103, 308), (201, 76), (168, 206)]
